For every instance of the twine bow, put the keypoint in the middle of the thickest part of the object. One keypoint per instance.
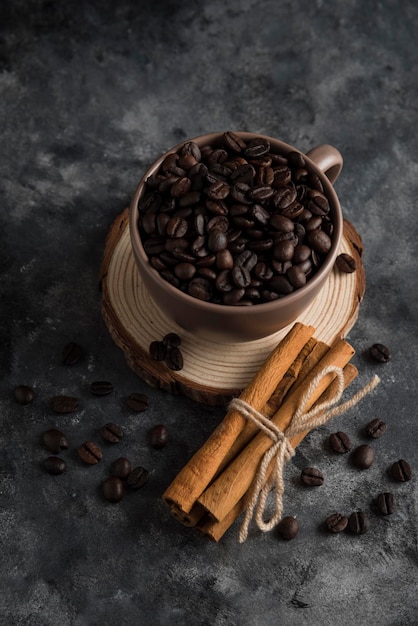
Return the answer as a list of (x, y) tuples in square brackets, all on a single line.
[(281, 449)]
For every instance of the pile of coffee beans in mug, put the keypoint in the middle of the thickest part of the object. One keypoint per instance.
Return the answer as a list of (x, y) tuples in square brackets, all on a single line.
[(235, 223)]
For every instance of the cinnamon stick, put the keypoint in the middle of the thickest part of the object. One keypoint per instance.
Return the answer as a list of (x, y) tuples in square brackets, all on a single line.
[(226, 491), (216, 529), (203, 466)]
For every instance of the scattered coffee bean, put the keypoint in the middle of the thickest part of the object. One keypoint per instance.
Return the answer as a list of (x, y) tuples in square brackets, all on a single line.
[(172, 340), (54, 465), (312, 477), (401, 470), (288, 527), (90, 453), (358, 523), (71, 353), (101, 388), (158, 436), (158, 350), (24, 394), (200, 212), (54, 440), (340, 442), (113, 489), (385, 503), (336, 522), (362, 457), (376, 428), (174, 360), (111, 432), (137, 477), (380, 353), (345, 263), (137, 402), (64, 404), (121, 467)]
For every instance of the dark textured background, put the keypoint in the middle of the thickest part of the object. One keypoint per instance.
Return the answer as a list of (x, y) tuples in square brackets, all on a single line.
[(90, 94)]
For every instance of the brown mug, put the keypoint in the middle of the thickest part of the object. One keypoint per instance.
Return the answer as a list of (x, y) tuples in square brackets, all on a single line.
[(226, 323)]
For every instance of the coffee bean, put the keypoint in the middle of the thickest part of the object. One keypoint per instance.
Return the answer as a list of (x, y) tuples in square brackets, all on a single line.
[(340, 442), (199, 215), (288, 528), (112, 433), (362, 457), (174, 359), (138, 477), (158, 350), (113, 489), (54, 465), (385, 503), (90, 453), (121, 467), (312, 477), (345, 263), (24, 394), (336, 522), (379, 353), (173, 340), (64, 404), (137, 402), (358, 523), (71, 353), (101, 388), (401, 470), (54, 440), (158, 436), (376, 428)]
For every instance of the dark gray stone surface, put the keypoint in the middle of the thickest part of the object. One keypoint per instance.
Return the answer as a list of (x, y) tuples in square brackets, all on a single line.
[(91, 92)]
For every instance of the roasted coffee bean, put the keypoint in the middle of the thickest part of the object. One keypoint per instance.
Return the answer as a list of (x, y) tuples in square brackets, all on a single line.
[(121, 467), (288, 528), (362, 457), (64, 404), (54, 465), (112, 433), (401, 470), (380, 353), (240, 197), (385, 503), (113, 489), (158, 436), (158, 350), (71, 353), (336, 522), (345, 263), (54, 440), (101, 388), (312, 477), (358, 523), (90, 453), (172, 340), (24, 394), (340, 442), (174, 359), (138, 477), (376, 428), (137, 402)]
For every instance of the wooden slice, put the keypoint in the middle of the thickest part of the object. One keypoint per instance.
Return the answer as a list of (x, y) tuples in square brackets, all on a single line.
[(212, 372)]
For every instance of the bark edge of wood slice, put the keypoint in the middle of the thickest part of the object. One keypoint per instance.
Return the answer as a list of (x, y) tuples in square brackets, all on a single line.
[(213, 373)]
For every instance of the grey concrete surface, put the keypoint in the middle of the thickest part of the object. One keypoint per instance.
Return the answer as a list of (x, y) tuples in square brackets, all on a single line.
[(91, 92)]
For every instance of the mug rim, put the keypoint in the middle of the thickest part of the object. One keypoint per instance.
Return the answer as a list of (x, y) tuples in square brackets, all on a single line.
[(226, 309)]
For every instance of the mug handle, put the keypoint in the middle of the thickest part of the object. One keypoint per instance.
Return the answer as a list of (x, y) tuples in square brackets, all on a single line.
[(328, 159)]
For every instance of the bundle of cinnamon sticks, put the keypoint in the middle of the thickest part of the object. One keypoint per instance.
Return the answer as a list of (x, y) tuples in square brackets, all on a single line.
[(212, 490)]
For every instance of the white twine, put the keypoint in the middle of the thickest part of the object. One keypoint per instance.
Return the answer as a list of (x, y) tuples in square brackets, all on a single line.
[(281, 449)]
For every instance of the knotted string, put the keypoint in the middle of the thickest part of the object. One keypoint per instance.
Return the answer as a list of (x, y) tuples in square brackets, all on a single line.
[(281, 449)]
